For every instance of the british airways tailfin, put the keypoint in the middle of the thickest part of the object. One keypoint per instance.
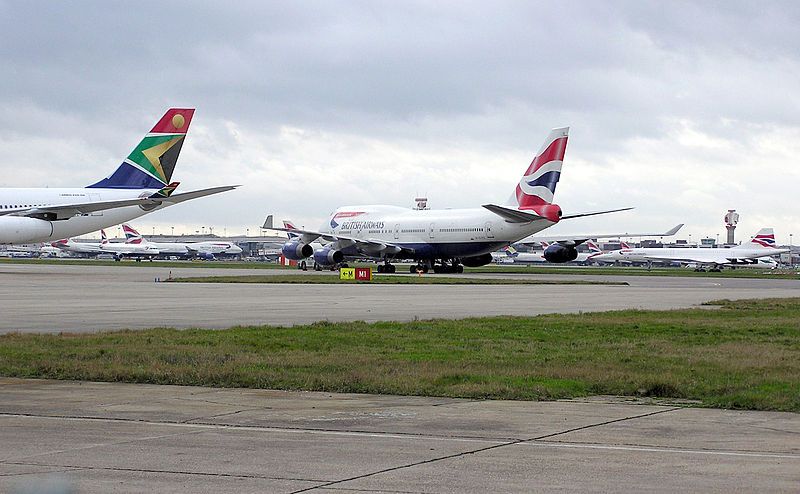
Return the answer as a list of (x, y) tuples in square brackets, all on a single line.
[(764, 238), (151, 163), (593, 248), (131, 235), (536, 189)]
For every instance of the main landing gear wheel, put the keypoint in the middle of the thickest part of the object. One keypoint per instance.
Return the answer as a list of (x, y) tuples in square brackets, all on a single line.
[(448, 268), (415, 268), (386, 268)]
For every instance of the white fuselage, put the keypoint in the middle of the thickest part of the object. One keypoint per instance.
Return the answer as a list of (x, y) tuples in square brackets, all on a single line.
[(18, 229), (90, 248), (519, 258), (736, 255), (123, 249), (430, 233), (215, 247)]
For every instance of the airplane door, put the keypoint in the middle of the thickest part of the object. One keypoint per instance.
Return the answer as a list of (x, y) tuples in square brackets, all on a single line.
[(489, 232), (396, 231), (433, 225), (94, 198)]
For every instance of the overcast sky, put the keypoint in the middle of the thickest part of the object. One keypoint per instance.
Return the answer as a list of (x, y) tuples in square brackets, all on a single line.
[(681, 109)]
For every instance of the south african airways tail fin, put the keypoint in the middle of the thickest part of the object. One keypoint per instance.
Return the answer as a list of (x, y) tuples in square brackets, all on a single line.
[(151, 163)]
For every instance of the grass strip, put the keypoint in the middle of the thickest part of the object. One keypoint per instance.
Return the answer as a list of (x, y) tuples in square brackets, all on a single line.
[(770, 274), (745, 355), (332, 279)]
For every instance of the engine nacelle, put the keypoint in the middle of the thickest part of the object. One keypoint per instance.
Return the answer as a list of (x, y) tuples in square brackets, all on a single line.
[(22, 230), (560, 253), (477, 261), (327, 256), (295, 250)]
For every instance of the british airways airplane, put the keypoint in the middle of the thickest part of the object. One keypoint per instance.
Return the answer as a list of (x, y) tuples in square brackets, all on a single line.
[(140, 185), (442, 240)]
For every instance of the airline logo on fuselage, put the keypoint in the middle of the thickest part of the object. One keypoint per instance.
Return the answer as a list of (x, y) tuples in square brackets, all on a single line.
[(344, 215)]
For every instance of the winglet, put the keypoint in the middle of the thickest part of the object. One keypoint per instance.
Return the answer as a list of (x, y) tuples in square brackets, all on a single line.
[(672, 231)]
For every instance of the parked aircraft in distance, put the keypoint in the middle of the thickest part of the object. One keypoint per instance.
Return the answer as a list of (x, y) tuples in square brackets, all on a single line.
[(204, 250), (562, 248), (39, 250), (122, 249), (762, 245), (70, 245), (510, 255), (140, 185), (444, 240)]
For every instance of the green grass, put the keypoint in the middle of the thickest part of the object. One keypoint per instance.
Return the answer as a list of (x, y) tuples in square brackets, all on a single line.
[(638, 271), (744, 355), (333, 279)]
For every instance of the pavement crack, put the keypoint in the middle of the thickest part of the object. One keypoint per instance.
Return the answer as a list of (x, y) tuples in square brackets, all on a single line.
[(600, 424), (69, 468), (219, 415), (480, 450)]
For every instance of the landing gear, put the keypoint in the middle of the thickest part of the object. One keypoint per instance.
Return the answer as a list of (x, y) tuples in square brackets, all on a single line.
[(455, 267), (302, 266), (386, 268), (416, 268)]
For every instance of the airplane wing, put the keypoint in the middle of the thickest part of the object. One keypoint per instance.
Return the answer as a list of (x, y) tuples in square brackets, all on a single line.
[(66, 211), (364, 245), (579, 239)]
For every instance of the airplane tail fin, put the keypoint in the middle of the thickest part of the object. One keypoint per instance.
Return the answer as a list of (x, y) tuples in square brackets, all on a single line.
[(511, 251), (593, 248), (151, 163), (103, 237), (289, 225), (131, 235), (537, 187), (765, 238), (624, 245)]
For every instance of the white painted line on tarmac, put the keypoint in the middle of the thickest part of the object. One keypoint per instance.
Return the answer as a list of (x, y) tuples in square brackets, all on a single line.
[(650, 449)]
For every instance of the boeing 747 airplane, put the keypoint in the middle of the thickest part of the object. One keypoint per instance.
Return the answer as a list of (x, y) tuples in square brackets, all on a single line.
[(444, 240), (140, 185)]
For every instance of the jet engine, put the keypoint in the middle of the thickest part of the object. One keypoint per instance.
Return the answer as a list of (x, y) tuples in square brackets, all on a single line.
[(21, 230), (477, 261), (560, 253), (327, 256), (295, 250)]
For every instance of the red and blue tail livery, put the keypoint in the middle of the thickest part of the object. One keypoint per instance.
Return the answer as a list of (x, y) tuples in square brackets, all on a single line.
[(538, 186), (151, 163), (765, 238)]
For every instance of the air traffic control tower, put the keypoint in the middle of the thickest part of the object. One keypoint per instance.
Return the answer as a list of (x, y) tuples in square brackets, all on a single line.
[(731, 219)]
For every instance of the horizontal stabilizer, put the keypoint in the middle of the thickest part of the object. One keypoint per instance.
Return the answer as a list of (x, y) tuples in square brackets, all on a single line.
[(593, 213), (185, 196), (513, 215)]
